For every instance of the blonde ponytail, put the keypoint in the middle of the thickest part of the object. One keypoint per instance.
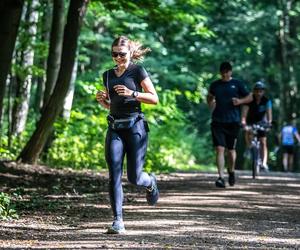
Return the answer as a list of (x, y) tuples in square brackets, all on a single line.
[(135, 47), (137, 50)]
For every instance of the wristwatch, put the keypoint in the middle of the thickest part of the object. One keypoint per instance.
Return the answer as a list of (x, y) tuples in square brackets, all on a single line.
[(135, 94)]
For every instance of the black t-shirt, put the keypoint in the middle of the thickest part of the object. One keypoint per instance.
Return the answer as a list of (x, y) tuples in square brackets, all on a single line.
[(257, 111), (131, 78), (225, 111)]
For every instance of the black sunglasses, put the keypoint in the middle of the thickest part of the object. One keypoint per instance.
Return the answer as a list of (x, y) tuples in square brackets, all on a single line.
[(116, 54)]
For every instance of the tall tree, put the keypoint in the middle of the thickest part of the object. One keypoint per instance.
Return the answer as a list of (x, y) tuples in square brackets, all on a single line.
[(24, 80), (10, 15), (55, 47), (286, 49), (33, 148), (40, 60), (66, 113)]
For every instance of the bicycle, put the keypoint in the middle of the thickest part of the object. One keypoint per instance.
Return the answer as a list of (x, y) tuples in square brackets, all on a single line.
[(256, 161)]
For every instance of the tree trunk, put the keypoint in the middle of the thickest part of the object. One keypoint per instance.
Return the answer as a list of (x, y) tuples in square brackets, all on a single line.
[(285, 111), (21, 105), (10, 15), (10, 102), (55, 47), (33, 148), (294, 58), (66, 113), (41, 61)]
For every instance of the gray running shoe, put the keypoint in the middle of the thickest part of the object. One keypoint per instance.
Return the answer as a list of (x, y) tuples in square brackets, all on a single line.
[(220, 183), (152, 194), (117, 226), (231, 179), (264, 168)]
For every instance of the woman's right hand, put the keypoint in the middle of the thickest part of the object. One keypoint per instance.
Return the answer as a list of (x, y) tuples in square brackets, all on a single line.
[(102, 98)]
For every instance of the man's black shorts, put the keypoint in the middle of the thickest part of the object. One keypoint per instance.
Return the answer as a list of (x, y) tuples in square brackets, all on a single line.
[(225, 134), (288, 149)]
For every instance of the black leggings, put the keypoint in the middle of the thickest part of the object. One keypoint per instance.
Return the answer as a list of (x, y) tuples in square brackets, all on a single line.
[(133, 143)]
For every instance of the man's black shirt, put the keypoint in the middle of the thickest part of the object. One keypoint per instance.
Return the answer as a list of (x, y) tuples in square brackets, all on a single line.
[(225, 111)]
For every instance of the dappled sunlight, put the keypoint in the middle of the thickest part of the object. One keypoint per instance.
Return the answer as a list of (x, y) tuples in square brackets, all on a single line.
[(288, 197), (266, 207), (36, 225), (71, 244), (293, 185), (272, 184), (191, 212), (263, 238), (209, 195), (177, 211), (264, 177)]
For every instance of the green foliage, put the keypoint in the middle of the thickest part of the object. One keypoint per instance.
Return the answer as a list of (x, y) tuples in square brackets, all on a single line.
[(7, 209), (188, 40), (79, 143), (5, 151), (10, 148), (174, 143)]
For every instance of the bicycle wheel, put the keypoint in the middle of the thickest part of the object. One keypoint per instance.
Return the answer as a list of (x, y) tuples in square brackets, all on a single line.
[(254, 162)]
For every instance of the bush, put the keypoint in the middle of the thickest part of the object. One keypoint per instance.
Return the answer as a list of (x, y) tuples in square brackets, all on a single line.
[(79, 143), (7, 210), (174, 143)]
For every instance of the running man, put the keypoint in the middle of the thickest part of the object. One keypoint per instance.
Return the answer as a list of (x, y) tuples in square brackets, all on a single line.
[(224, 98)]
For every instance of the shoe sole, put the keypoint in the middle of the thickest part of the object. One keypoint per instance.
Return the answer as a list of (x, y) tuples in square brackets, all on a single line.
[(149, 203), (220, 185), (112, 231), (231, 183)]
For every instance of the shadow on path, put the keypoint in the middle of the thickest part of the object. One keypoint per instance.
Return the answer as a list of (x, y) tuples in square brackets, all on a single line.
[(69, 210)]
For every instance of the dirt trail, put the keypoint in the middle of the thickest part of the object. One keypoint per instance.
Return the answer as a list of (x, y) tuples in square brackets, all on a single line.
[(69, 210)]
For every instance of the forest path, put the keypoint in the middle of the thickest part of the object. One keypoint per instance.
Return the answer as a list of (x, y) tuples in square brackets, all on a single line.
[(64, 209)]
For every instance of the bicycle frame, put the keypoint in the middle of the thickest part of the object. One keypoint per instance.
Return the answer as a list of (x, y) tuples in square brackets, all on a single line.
[(255, 147), (256, 160)]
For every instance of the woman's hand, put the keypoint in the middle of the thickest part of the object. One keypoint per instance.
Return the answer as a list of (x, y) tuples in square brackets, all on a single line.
[(102, 98), (122, 90)]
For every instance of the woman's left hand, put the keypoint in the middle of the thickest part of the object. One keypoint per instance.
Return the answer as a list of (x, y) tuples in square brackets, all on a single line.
[(122, 90)]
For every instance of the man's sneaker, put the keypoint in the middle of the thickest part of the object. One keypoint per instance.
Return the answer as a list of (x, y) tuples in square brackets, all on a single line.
[(117, 226), (220, 183), (152, 193), (264, 168), (231, 178)]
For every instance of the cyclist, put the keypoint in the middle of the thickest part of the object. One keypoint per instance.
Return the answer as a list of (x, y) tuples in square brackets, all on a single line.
[(224, 98), (288, 132), (259, 111)]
